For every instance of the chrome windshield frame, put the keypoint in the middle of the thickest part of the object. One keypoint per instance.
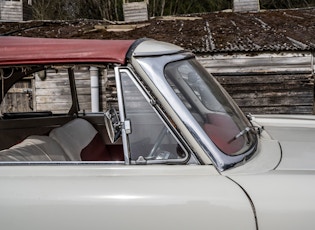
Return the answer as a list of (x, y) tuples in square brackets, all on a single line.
[(153, 67)]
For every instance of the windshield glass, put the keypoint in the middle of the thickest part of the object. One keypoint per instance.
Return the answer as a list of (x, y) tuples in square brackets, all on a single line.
[(211, 106)]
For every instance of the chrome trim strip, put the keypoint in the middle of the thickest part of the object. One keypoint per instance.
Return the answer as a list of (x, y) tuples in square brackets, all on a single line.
[(122, 114)]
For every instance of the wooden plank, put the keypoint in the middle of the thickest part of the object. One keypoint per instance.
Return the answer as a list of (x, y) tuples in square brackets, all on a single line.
[(278, 110), (135, 11), (256, 62), (274, 101), (266, 78), (63, 75), (62, 83), (16, 103), (62, 107), (18, 90), (264, 63), (264, 94), (245, 5), (135, 5), (63, 91), (55, 92), (11, 11), (53, 99), (289, 87), (11, 7), (55, 108), (18, 99), (285, 91), (232, 89), (55, 89), (63, 98), (279, 82), (11, 18)]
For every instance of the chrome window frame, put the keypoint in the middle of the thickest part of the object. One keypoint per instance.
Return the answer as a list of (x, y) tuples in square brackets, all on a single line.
[(153, 66), (158, 110)]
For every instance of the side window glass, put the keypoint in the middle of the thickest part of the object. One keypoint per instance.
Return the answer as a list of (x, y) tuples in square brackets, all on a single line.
[(90, 86), (48, 90), (43, 92), (52, 91), (149, 139), (20, 97)]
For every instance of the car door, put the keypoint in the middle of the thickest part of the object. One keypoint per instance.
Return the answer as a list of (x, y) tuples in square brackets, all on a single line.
[(88, 196), (158, 186)]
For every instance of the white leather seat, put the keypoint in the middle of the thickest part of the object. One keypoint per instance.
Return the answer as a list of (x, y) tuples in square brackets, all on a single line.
[(73, 137), (74, 141), (34, 148)]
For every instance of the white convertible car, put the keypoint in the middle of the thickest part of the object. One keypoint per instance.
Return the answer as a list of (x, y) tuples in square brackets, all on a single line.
[(175, 152)]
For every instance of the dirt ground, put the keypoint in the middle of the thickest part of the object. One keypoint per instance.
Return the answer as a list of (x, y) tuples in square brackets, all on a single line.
[(278, 29)]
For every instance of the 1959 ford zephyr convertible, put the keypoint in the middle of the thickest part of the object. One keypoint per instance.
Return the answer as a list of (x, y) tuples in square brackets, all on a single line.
[(174, 152)]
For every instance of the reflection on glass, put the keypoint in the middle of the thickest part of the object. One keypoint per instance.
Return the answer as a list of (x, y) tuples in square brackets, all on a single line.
[(149, 137), (211, 106)]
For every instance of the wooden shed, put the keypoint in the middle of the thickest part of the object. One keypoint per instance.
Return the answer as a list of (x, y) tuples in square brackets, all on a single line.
[(15, 10), (245, 5), (54, 92), (265, 59), (279, 83), (11, 10), (135, 11), (50, 90)]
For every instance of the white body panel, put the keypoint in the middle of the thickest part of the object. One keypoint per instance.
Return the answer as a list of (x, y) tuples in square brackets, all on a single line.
[(121, 197), (296, 135), (282, 199)]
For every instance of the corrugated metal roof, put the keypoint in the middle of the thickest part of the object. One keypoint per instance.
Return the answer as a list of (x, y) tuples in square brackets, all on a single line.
[(278, 30), (264, 31), (208, 33)]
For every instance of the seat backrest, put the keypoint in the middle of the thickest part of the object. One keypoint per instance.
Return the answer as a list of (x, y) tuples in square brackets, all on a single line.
[(34, 148), (80, 141)]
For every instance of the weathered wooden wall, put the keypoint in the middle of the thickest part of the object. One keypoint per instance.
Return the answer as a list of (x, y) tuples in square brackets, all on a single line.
[(54, 92), (266, 83), (11, 10), (260, 84), (135, 11), (245, 5), (19, 97), (111, 89)]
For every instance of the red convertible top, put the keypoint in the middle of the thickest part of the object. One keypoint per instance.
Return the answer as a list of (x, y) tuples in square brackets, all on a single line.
[(22, 50)]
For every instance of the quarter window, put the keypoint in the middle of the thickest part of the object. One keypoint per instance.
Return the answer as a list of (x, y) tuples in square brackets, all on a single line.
[(150, 139)]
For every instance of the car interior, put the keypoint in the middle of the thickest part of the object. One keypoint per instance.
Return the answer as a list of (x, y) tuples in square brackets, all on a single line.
[(69, 131)]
